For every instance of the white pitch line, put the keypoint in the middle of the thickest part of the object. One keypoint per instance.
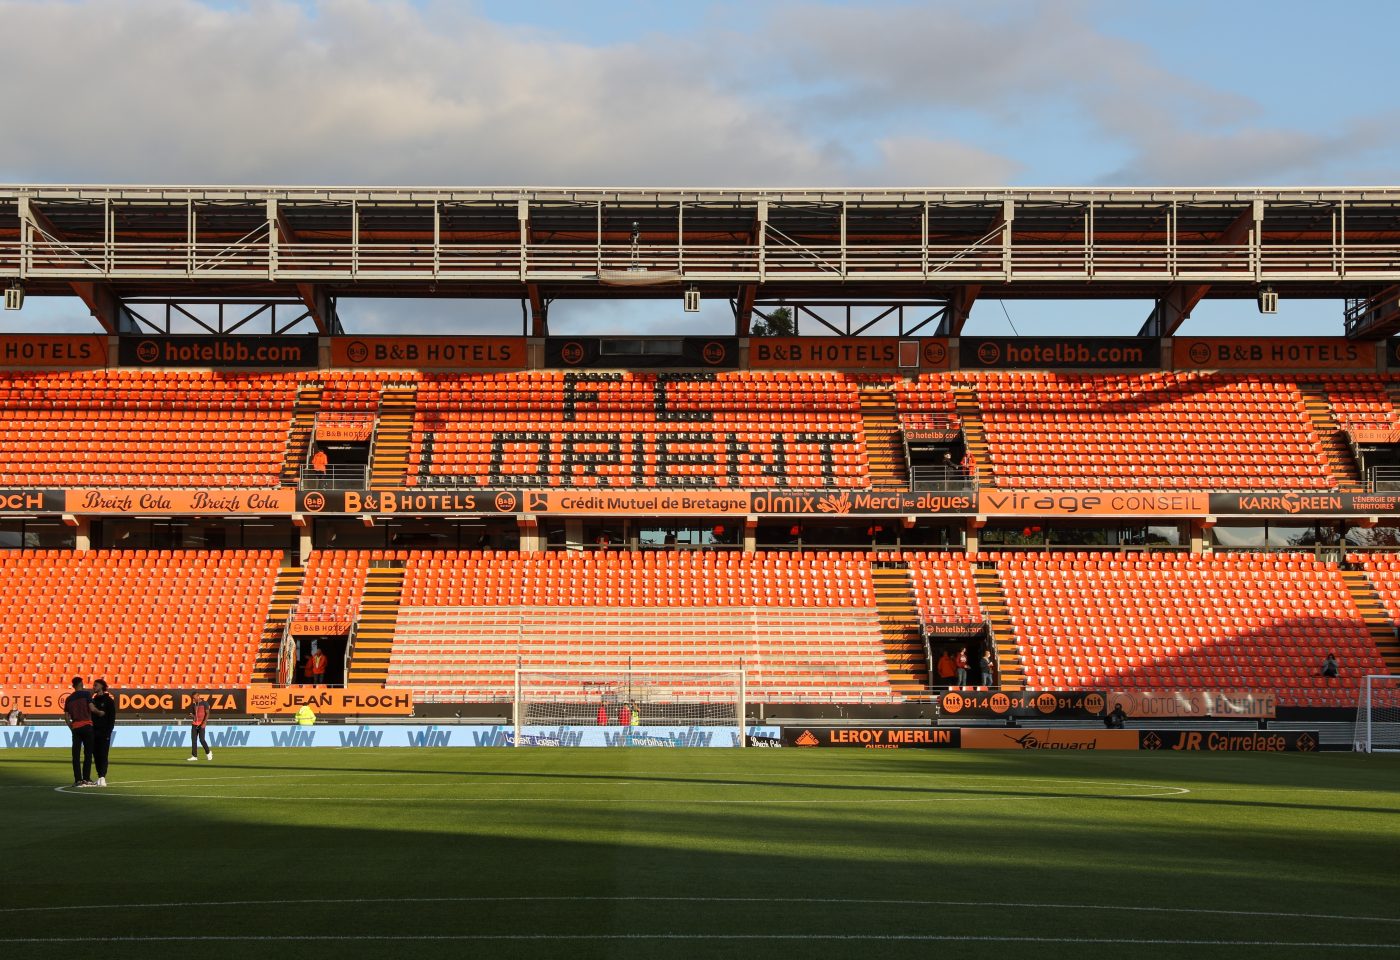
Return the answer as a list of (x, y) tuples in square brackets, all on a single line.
[(808, 901), (595, 937)]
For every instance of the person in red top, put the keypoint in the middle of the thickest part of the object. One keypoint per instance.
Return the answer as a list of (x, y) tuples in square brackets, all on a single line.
[(77, 713), (199, 716), (316, 667), (961, 663), (624, 716), (602, 715)]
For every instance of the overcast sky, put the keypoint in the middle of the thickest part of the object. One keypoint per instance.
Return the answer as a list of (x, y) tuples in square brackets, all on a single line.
[(513, 92)]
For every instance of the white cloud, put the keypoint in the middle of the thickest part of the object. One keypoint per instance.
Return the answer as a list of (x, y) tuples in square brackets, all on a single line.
[(354, 91)]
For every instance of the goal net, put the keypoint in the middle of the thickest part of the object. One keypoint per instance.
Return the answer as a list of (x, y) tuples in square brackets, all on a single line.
[(1378, 714), (632, 702)]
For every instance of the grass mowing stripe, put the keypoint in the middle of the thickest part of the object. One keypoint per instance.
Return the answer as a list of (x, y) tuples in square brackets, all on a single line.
[(814, 901)]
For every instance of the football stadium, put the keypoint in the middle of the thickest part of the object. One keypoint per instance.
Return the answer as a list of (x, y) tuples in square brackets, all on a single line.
[(821, 479), (793, 639)]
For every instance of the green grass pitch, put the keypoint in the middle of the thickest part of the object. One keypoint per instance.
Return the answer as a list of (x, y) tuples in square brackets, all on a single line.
[(701, 853)]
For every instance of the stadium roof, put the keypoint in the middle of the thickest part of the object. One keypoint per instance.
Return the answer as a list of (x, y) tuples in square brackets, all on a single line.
[(110, 244)]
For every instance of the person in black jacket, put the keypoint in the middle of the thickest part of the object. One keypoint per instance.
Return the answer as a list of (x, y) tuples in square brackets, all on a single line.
[(1115, 718), (104, 719)]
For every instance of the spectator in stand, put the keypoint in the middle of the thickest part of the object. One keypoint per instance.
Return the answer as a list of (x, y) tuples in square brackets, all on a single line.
[(77, 713), (961, 663), (988, 669), (602, 715), (316, 667), (624, 716), (947, 669), (1329, 667)]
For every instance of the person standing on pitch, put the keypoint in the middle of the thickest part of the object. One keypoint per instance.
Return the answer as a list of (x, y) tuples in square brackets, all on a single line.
[(199, 716), (77, 713), (104, 721)]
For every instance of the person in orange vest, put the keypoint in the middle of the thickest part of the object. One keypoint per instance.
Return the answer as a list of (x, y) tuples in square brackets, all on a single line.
[(319, 461), (947, 669), (316, 667)]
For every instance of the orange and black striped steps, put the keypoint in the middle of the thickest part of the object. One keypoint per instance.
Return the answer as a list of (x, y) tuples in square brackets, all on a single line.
[(374, 635)]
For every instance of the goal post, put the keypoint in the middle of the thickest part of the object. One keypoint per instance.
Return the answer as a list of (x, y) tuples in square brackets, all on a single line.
[(628, 701), (1378, 714)]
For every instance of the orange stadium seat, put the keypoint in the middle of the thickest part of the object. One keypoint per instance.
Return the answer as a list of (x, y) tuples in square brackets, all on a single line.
[(803, 626), (140, 618), (549, 428), (143, 428), (1159, 430), (1166, 621)]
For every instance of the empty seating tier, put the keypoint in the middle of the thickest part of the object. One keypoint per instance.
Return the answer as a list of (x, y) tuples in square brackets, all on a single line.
[(134, 618), (332, 592), (548, 428), (143, 429), (1157, 430), (1229, 621), (945, 591), (802, 627)]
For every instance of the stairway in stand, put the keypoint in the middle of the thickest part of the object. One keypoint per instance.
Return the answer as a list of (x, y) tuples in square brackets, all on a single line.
[(308, 405), (970, 414), (992, 597), (905, 656), (374, 635), (884, 440), (388, 465), (1341, 462), (284, 597), (1378, 622)]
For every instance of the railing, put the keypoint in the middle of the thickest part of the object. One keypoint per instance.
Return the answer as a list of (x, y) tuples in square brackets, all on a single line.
[(334, 618), (1360, 314), (940, 479), (337, 476), (349, 651), (344, 427), (257, 258), (1383, 479)]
